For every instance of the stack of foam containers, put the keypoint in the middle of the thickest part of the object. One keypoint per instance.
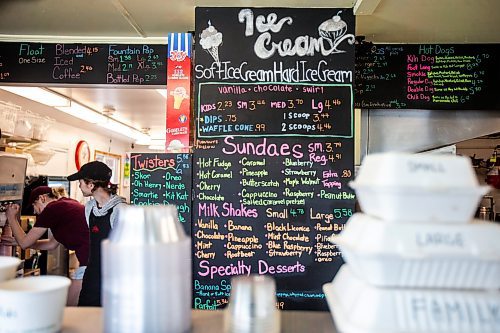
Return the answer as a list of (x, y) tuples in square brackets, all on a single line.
[(416, 260)]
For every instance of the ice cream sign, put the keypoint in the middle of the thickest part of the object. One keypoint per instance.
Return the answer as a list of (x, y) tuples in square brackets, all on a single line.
[(179, 89), (332, 33), (210, 40)]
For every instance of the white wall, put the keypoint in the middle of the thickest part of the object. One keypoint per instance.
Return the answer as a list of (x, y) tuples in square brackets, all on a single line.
[(64, 139)]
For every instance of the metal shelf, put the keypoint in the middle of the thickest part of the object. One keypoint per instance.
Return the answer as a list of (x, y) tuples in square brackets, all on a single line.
[(7, 140)]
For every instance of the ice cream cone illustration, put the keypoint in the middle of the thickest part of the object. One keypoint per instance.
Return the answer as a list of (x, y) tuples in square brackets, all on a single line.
[(179, 94), (210, 40), (214, 52)]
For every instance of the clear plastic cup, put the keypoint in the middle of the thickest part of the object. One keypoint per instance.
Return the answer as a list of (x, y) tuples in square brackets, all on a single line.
[(252, 306)]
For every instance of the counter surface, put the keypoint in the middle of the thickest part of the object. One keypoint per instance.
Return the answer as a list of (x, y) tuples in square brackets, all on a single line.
[(83, 320)]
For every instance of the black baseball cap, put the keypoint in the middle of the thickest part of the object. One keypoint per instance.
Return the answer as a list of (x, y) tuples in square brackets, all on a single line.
[(94, 170)]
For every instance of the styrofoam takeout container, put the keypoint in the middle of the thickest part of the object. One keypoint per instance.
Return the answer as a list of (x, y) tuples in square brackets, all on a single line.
[(33, 304), (404, 187), (8, 267), (358, 307), (422, 255)]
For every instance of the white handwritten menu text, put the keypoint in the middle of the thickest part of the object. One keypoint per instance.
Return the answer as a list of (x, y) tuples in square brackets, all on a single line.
[(277, 109), (162, 179), (274, 149), (428, 76), (63, 63)]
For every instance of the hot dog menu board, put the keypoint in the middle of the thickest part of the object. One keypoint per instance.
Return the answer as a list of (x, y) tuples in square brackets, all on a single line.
[(114, 64), (274, 150), (162, 179), (428, 76)]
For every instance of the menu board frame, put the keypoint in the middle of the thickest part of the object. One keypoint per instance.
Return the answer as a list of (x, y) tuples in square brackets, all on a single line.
[(168, 179), (266, 198), (199, 115), (119, 64), (427, 76)]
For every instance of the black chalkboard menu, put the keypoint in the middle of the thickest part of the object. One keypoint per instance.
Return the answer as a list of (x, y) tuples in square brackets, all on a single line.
[(428, 76), (58, 63), (162, 179), (274, 149)]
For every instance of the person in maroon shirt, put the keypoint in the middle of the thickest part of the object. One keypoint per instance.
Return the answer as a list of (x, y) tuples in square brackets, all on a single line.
[(65, 218)]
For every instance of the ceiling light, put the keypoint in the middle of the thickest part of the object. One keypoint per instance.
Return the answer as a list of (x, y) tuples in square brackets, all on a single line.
[(145, 141), (162, 92), (77, 110), (157, 147), (82, 112), (123, 129), (157, 144), (39, 95)]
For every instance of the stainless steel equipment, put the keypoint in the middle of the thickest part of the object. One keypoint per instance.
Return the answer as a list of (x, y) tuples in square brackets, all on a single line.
[(486, 210), (12, 174)]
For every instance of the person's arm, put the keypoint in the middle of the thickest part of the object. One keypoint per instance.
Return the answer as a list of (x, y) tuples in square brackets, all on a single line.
[(45, 244), (23, 240)]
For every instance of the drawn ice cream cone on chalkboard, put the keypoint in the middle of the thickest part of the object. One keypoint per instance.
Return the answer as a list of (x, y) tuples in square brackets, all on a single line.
[(334, 30), (210, 40), (179, 94)]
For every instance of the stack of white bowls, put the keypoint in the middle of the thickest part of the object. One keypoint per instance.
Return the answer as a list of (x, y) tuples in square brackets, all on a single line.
[(32, 304), (417, 261)]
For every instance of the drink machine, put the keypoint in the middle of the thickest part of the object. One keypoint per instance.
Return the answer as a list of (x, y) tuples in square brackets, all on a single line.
[(12, 174)]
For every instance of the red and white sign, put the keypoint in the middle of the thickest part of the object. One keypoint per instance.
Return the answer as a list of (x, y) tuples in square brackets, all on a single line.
[(179, 91)]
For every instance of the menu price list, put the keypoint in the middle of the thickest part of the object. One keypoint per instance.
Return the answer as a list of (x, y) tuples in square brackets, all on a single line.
[(162, 179), (277, 109), (127, 64), (430, 76), (268, 206)]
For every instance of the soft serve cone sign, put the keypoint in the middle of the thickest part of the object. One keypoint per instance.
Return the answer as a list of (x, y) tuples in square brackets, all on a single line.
[(210, 40)]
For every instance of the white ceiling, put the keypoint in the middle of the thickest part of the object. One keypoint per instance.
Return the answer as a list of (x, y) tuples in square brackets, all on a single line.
[(393, 21)]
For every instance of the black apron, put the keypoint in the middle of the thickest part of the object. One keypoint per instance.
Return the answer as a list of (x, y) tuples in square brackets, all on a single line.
[(99, 228)]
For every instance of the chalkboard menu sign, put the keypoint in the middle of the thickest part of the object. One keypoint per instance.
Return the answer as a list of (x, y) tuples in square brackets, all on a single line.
[(162, 179), (117, 64), (428, 76), (274, 149)]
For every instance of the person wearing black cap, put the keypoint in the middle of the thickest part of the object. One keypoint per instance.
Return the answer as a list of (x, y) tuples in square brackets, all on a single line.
[(101, 213), (65, 218)]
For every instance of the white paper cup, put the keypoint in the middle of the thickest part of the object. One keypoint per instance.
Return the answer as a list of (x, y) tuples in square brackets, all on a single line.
[(33, 304), (8, 267)]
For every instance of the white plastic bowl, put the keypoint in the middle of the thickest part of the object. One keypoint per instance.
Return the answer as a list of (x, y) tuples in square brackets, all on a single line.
[(422, 255), (8, 267), (419, 205), (405, 188), (358, 307), (33, 304), (425, 171)]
